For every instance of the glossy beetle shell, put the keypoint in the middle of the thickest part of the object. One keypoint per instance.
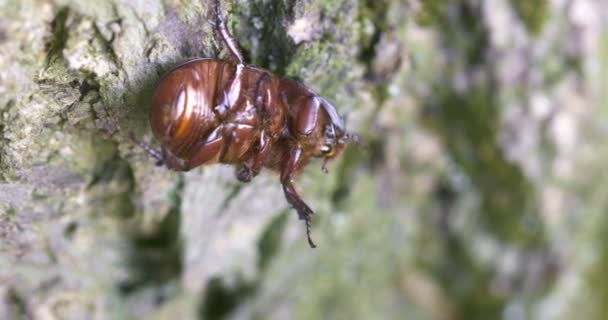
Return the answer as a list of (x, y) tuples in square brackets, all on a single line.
[(204, 112), (209, 111)]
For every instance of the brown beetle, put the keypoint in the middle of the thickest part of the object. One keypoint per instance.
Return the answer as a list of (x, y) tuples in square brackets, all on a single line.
[(208, 111)]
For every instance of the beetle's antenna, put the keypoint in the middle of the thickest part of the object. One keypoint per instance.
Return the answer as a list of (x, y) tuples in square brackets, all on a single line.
[(355, 138)]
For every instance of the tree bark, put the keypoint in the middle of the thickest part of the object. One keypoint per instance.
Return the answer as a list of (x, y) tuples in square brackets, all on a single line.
[(480, 179)]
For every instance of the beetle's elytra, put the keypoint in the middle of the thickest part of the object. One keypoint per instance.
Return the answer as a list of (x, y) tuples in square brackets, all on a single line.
[(208, 111)]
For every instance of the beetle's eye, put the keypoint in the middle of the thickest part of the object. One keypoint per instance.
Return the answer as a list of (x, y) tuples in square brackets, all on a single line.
[(330, 132), (326, 149)]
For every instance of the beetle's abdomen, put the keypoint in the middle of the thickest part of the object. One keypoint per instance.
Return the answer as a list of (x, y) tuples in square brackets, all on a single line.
[(183, 104)]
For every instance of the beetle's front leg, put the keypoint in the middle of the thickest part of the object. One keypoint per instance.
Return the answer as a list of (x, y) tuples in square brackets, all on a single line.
[(158, 155), (162, 157), (292, 196)]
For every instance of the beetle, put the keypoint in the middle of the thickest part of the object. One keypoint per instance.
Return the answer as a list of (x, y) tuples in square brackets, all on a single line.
[(209, 110)]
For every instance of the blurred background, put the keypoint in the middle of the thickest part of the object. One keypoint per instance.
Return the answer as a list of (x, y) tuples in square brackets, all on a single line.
[(480, 194)]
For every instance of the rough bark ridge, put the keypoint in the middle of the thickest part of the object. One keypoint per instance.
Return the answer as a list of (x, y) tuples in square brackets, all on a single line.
[(480, 194)]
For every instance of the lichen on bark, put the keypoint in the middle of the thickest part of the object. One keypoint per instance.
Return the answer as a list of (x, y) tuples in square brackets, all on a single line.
[(478, 180)]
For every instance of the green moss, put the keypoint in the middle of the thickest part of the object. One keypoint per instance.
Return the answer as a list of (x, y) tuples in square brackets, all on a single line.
[(111, 183), (467, 284), (337, 281), (595, 281), (431, 12), (465, 113), (59, 35), (468, 121), (468, 124), (260, 28), (306, 60), (4, 166), (270, 241), (588, 245), (372, 15), (533, 13), (221, 299)]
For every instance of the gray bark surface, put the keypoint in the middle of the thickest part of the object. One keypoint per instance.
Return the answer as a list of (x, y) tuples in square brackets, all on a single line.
[(480, 193)]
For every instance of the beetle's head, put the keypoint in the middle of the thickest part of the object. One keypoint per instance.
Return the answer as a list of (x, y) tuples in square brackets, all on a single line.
[(335, 138), (316, 122)]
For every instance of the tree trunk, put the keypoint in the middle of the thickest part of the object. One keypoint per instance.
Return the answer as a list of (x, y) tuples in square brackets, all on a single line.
[(479, 193)]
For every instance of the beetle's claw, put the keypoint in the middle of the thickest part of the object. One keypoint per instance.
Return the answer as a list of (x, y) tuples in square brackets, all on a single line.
[(244, 174), (217, 13), (308, 221), (324, 166), (305, 213), (158, 155)]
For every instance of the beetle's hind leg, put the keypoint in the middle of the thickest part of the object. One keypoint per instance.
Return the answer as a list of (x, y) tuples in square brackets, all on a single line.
[(228, 38)]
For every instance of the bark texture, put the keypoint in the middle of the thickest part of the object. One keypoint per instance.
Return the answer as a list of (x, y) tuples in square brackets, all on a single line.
[(481, 193)]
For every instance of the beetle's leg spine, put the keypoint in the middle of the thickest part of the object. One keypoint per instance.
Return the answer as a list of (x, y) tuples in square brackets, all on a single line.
[(148, 149)]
